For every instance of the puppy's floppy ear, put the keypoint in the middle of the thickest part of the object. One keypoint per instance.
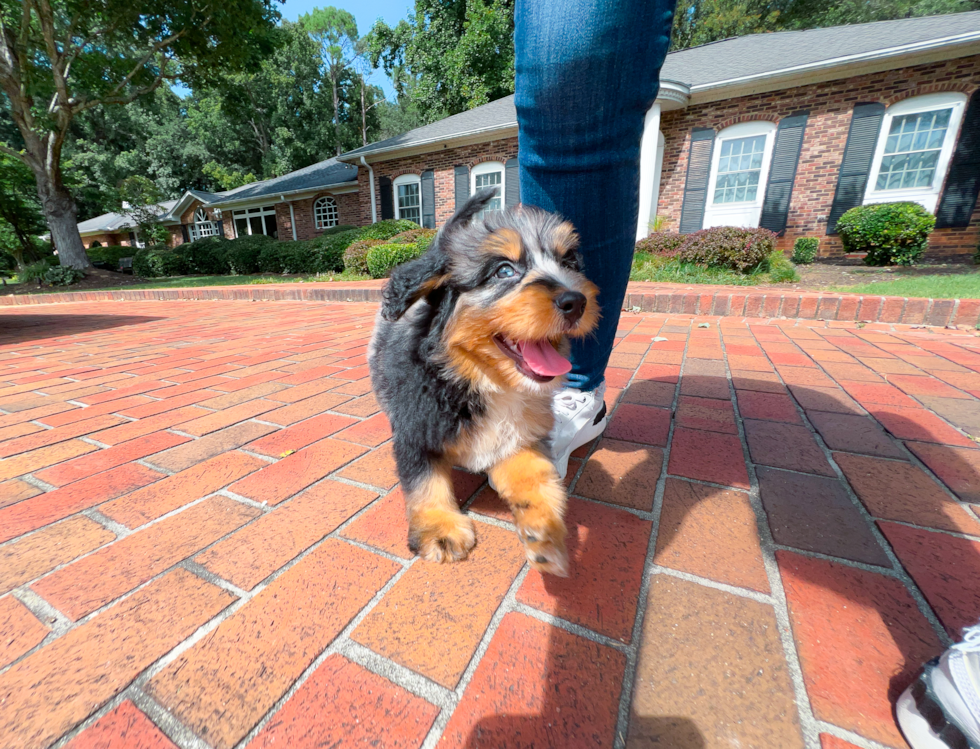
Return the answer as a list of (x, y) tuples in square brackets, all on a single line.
[(413, 280)]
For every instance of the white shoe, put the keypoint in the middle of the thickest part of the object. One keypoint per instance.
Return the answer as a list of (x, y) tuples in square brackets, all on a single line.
[(941, 709), (579, 419)]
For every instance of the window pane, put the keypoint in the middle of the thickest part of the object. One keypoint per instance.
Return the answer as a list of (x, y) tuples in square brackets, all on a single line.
[(739, 167), (409, 203), (490, 179), (256, 223), (270, 227), (241, 227), (325, 213), (912, 150)]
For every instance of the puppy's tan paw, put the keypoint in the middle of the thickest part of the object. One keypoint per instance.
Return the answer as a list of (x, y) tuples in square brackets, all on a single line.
[(544, 543), (442, 536)]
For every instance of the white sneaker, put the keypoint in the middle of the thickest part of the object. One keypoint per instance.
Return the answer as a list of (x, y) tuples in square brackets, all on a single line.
[(941, 709), (579, 419)]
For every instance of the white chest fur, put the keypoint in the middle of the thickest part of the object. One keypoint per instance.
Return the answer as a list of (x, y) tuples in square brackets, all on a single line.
[(512, 421)]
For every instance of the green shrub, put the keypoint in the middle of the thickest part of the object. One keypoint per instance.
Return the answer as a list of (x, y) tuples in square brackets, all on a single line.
[(383, 257), (891, 233), (328, 251), (242, 254), (62, 275), (8, 264), (34, 271), (663, 243), (386, 229), (728, 247), (805, 250), (337, 229), (287, 257), (781, 270), (355, 256), (158, 261), (110, 255), (207, 257)]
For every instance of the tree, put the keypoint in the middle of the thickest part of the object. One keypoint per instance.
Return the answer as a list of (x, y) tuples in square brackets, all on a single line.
[(702, 21), (62, 58), (20, 213), (336, 32), (450, 55), (227, 178), (141, 200)]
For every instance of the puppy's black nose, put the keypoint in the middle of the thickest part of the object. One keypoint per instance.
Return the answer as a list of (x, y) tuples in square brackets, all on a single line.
[(572, 305)]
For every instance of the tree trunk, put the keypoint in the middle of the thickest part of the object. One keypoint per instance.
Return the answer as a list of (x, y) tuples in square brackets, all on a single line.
[(62, 218), (336, 112)]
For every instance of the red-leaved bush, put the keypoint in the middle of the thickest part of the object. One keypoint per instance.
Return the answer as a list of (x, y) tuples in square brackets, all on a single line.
[(729, 247)]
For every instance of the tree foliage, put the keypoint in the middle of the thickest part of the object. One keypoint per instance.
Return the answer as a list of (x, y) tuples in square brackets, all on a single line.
[(450, 55)]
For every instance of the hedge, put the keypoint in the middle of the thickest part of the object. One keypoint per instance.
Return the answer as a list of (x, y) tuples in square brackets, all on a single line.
[(890, 233), (355, 256), (383, 257), (110, 255), (805, 250), (663, 243), (387, 229)]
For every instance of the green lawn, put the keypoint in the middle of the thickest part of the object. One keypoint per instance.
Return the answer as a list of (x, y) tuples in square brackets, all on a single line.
[(181, 282), (959, 286)]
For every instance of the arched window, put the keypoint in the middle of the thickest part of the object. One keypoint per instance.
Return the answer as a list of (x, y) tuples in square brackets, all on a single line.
[(202, 226), (489, 174), (739, 172), (408, 198), (325, 212), (914, 147), (94, 245)]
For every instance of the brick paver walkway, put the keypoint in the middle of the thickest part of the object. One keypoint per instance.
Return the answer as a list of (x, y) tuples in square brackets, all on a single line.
[(202, 542)]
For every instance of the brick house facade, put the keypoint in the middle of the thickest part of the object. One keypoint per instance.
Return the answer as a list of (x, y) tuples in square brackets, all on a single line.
[(830, 107)]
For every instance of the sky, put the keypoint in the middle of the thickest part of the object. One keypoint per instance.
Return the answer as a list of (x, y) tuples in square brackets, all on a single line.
[(366, 12)]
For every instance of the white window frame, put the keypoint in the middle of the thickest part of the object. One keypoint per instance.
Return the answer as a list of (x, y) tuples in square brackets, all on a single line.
[(489, 167), (202, 226), (249, 213), (745, 214), (927, 197), (407, 179), (326, 212)]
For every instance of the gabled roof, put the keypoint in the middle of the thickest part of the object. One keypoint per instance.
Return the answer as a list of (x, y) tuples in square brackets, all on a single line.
[(720, 66), (329, 173), (115, 222)]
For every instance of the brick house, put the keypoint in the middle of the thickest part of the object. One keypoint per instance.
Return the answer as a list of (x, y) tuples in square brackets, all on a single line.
[(298, 205), (785, 131)]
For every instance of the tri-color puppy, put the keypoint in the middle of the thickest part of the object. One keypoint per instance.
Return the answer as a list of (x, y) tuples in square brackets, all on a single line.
[(469, 344)]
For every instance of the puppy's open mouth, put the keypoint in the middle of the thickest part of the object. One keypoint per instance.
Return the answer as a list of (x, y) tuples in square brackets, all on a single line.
[(536, 360)]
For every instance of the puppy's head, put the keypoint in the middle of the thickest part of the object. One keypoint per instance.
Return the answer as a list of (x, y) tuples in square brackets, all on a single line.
[(518, 291)]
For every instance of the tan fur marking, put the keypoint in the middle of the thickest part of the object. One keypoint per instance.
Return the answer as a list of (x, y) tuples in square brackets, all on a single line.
[(565, 238), (506, 242), (436, 528), (528, 482)]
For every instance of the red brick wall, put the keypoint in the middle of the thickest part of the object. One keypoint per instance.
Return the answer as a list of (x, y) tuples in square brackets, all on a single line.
[(107, 240), (830, 106), (348, 211), (442, 163)]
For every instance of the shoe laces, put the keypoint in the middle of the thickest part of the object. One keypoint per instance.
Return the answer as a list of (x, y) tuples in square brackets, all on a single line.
[(570, 402), (971, 640)]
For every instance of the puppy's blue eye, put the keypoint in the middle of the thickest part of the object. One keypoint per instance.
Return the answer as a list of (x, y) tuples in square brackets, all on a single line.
[(505, 271)]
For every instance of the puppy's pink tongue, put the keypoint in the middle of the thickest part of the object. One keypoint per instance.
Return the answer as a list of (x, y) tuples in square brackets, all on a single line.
[(543, 360)]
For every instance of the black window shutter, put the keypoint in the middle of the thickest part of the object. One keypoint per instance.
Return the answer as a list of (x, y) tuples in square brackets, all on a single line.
[(461, 185), (221, 227), (855, 166), (132, 239), (512, 183), (782, 172), (428, 199), (186, 235), (963, 183), (387, 198), (696, 185)]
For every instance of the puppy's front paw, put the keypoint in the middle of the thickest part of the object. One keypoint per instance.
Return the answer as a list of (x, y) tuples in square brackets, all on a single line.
[(441, 536), (544, 542)]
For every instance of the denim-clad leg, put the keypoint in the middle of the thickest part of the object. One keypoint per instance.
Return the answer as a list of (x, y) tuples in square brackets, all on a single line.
[(587, 72)]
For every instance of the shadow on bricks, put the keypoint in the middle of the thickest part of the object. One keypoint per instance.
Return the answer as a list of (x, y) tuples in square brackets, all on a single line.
[(31, 327)]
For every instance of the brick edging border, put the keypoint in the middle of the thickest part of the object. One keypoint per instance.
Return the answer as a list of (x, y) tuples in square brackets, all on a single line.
[(708, 300)]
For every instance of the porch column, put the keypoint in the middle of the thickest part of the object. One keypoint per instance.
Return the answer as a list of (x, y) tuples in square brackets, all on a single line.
[(650, 163)]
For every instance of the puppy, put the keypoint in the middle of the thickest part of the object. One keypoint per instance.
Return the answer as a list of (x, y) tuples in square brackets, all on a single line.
[(469, 345)]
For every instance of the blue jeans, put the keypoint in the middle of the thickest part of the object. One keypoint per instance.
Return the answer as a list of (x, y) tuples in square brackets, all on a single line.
[(587, 72)]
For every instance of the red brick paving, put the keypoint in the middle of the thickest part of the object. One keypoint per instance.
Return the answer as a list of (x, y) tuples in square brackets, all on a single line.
[(231, 471)]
